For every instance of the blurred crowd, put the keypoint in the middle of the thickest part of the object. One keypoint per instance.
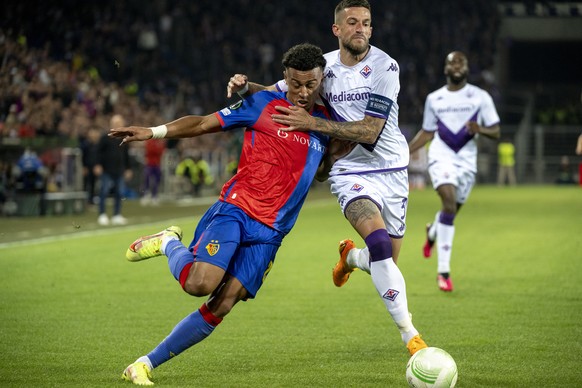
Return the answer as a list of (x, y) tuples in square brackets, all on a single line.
[(69, 66), (175, 57)]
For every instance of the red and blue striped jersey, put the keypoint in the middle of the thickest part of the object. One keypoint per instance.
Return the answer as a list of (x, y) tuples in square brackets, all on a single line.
[(275, 168)]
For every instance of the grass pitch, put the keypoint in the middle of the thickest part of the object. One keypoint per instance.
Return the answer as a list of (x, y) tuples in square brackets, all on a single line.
[(75, 313)]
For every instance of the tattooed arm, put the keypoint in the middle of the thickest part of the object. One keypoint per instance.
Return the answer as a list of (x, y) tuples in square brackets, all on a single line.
[(362, 131)]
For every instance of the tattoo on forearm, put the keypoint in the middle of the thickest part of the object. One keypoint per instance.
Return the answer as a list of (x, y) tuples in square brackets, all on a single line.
[(354, 131)]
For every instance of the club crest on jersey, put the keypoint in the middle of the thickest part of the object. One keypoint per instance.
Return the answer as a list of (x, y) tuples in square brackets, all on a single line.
[(391, 294), (366, 71), (213, 247), (357, 188)]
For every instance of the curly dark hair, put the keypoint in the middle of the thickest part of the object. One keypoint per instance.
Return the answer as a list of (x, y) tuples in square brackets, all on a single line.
[(303, 57)]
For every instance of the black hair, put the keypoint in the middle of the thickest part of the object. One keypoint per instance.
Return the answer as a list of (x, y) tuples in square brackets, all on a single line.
[(303, 57)]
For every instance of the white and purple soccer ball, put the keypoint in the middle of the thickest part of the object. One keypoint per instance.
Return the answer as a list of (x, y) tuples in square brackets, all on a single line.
[(431, 368)]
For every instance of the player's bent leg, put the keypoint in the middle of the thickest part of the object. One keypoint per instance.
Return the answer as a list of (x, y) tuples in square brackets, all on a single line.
[(188, 332), (428, 244), (396, 246), (147, 247), (227, 295), (138, 373), (341, 272), (365, 217), (203, 279)]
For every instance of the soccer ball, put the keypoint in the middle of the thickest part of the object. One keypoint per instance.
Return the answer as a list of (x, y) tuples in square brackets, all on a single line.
[(431, 367)]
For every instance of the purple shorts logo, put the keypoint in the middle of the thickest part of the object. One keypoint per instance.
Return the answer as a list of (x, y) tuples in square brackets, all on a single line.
[(357, 188), (390, 294)]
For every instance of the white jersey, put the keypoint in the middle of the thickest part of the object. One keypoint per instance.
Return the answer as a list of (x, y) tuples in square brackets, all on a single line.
[(446, 113), (369, 88)]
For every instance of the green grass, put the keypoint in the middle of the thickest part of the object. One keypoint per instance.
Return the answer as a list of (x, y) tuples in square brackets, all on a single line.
[(74, 313)]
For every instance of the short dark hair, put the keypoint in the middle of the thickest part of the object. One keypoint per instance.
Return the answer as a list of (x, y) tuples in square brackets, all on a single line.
[(303, 57), (352, 3)]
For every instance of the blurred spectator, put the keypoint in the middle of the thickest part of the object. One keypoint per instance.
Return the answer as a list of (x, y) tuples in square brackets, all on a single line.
[(506, 159), (30, 173), (51, 159), (154, 150), (195, 171), (89, 147), (11, 122), (5, 181), (113, 170), (565, 176)]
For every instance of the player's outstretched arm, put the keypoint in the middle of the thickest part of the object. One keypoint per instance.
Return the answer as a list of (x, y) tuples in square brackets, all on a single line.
[(492, 132), (420, 139), (240, 84), (187, 126), (366, 130)]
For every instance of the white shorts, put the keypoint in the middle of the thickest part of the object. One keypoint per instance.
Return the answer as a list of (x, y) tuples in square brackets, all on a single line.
[(389, 191), (442, 173)]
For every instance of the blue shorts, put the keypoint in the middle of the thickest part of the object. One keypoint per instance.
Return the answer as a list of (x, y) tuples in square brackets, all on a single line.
[(245, 248)]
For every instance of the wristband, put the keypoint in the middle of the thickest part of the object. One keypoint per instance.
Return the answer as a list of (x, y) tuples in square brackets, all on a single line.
[(159, 132), (243, 90)]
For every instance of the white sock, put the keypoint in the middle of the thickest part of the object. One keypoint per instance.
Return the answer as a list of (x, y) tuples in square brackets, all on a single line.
[(359, 258), (165, 240), (146, 360), (391, 287), (432, 231), (444, 241)]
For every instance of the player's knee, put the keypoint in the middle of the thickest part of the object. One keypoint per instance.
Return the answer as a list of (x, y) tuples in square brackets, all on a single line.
[(379, 245), (196, 286)]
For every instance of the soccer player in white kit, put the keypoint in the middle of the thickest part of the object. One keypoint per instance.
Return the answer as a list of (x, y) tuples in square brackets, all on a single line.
[(454, 116), (360, 89)]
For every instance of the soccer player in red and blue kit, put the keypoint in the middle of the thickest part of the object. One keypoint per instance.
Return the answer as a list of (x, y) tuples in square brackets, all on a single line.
[(236, 240)]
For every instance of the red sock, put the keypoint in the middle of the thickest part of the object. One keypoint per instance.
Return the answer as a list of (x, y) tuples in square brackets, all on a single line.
[(184, 274), (208, 316)]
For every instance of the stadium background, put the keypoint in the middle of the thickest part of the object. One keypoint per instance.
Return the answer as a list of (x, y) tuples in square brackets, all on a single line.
[(68, 65), (74, 312)]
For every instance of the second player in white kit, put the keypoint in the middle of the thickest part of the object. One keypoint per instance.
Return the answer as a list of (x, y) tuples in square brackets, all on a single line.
[(360, 88), (454, 116)]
